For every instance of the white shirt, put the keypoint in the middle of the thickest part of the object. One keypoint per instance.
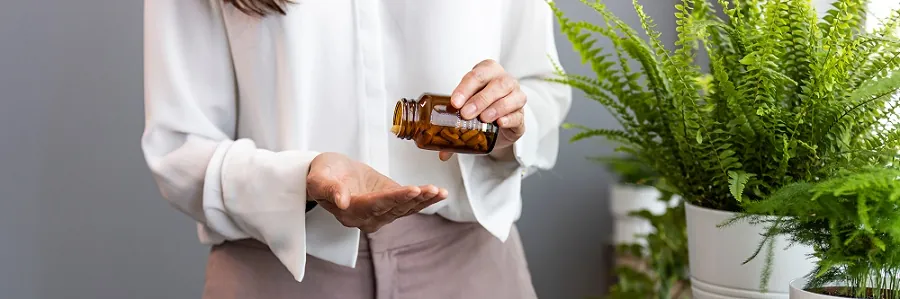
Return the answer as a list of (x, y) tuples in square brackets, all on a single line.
[(237, 107)]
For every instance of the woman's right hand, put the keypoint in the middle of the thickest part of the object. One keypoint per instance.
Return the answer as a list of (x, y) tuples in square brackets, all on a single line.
[(359, 196)]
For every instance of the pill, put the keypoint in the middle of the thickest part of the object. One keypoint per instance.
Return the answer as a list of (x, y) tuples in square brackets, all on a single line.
[(468, 135)]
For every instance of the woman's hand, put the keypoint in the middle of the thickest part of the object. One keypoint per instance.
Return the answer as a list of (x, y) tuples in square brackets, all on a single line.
[(359, 196), (491, 94)]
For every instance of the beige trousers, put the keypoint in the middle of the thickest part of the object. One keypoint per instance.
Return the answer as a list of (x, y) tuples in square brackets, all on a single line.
[(416, 257)]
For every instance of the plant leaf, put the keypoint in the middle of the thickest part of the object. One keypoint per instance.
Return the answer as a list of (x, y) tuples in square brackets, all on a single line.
[(737, 183)]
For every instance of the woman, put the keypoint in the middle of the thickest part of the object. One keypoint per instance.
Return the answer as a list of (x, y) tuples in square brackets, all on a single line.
[(256, 108)]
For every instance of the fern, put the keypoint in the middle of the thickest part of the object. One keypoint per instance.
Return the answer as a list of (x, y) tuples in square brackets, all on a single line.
[(790, 97), (796, 118)]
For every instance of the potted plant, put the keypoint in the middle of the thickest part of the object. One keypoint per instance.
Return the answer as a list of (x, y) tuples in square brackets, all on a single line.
[(788, 98), (853, 223), (633, 191), (634, 201), (659, 268)]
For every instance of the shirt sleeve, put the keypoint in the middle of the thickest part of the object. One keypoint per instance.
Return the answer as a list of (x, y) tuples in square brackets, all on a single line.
[(235, 188), (529, 54)]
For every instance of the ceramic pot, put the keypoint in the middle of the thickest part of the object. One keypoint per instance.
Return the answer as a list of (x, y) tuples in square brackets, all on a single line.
[(716, 257), (625, 199)]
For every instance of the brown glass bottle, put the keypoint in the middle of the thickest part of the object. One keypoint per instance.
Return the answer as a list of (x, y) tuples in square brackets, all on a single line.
[(435, 125)]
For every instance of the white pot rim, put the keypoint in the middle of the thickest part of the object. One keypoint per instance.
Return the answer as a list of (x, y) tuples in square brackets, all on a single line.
[(689, 205), (799, 285)]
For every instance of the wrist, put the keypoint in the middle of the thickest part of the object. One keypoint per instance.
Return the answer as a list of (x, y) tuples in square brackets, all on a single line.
[(503, 154)]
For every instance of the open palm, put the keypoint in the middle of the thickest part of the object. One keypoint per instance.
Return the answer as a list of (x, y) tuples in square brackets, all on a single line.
[(359, 196)]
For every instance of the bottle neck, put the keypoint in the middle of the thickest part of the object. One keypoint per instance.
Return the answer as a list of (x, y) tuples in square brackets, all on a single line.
[(406, 114)]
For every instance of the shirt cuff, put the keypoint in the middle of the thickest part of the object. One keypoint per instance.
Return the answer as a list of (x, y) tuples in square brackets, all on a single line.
[(524, 151), (259, 194), (527, 149), (330, 240), (217, 218)]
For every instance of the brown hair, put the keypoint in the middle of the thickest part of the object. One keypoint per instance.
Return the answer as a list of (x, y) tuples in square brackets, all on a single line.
[(260, 7)]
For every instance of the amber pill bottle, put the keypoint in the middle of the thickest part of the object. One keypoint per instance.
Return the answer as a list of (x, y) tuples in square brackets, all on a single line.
[(435, 125)]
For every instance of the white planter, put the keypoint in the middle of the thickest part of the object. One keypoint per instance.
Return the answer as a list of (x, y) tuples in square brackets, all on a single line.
[(716, 255), (625, 199)]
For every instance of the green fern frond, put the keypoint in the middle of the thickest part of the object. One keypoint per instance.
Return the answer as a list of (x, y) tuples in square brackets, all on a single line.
[(787, 92), (739, 181)]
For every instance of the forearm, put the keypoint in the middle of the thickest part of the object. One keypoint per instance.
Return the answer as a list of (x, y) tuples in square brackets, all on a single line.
[(241, 191)]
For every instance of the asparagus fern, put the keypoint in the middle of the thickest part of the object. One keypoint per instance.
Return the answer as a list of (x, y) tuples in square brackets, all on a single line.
[(852, 222)]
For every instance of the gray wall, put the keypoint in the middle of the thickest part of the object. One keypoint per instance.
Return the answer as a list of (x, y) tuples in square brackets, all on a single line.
[(566, 221), (81, 218), (79, 214)]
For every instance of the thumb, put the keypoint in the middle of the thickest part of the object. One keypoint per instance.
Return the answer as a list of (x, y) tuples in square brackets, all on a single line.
[(325, 187), (445, 156)]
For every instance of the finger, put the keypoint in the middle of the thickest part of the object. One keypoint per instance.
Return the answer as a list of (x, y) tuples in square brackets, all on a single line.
[(514, 121), (378, 203), (442, 195), (475, 80), (428, 192), (322, 186), (512, 102), (374, 204), (495, 90), (444, 156)]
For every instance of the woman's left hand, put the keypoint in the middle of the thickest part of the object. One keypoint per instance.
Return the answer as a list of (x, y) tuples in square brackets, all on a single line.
[(491, 94)]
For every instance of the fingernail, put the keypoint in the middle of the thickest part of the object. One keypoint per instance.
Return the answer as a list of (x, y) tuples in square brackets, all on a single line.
[(503, 120), (489, 114), (468, 110), (339, 201)]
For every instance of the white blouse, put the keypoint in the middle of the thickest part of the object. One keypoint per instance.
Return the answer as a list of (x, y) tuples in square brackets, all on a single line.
[(237, 107)]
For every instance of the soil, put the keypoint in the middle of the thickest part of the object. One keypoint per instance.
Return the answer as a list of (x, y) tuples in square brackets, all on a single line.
[(843, 292)]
